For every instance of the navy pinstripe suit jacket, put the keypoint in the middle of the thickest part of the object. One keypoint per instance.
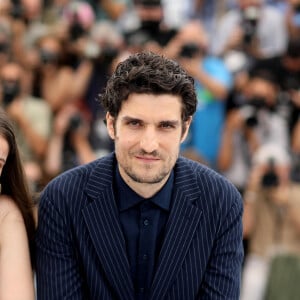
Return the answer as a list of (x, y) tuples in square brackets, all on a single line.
[(81, 252)]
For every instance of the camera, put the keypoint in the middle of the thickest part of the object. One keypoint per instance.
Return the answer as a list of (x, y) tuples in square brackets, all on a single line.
[(189, 50), (75, 122), (250, 19), (296, 8), (10, 90), (295, 172), (249, 111), (76, 29), (270, 178)]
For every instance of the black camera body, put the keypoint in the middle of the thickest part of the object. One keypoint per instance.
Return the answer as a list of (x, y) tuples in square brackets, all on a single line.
[(270, 178), (248, 113), (75, 122), (296, 8), (250, 110), (250, 18), (76, 29)]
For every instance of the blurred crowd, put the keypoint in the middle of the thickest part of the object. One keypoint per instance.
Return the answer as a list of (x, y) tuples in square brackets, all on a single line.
[(55, 59)]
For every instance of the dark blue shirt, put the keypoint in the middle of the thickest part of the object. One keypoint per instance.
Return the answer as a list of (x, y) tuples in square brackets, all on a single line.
[(143, 222)]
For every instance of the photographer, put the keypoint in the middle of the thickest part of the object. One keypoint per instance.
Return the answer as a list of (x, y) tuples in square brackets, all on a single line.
[(31, 117), (68, 144), (147, 27), (212, 81), (261, 109), (253, 119), (254, 28), (272, 224)]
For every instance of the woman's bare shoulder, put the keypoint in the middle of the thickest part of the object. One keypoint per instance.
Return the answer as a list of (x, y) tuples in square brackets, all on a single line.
[(9, 211), (15, 268)]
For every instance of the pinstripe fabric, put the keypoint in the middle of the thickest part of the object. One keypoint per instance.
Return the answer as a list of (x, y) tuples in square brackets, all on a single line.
[(81, 250)]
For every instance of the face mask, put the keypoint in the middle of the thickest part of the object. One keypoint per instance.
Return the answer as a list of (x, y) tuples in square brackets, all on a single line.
[(48, 57), (257, 101), (150, 26), (10, 90), (76, 31)]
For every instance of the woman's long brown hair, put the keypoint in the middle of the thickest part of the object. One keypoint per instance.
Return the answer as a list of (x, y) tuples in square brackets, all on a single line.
[(13, 180)]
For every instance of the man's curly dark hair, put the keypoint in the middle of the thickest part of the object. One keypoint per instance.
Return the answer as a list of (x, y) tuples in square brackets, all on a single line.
[(149, 73)]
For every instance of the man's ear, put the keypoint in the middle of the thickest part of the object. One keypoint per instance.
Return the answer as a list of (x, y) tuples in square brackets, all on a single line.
[(186, 128), (110, 124)]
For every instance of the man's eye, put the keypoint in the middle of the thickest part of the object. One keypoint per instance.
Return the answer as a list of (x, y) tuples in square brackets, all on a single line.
[(134, 123), (167, 125)]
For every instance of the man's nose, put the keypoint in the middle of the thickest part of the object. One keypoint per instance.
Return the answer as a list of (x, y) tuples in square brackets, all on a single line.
[(149, 140)]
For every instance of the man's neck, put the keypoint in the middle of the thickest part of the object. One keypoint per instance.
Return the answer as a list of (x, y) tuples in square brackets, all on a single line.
[(145, 190)]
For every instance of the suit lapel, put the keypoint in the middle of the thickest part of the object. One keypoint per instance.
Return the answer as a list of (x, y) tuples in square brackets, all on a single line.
[(101, 217), (183, 220)]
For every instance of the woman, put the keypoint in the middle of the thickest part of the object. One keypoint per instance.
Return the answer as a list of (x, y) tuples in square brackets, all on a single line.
[(16, 220)]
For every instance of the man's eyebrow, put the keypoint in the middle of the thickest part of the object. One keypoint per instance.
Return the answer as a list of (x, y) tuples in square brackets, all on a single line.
[(171, 122), (128, 118)]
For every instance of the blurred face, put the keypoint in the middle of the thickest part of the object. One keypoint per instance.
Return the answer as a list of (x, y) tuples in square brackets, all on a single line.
[(5, 6), (150, 12), (50, 50), (262, 89), (32, 8), (147, 134), (11, 79), (11, 71), (193, 32), (4, 150)]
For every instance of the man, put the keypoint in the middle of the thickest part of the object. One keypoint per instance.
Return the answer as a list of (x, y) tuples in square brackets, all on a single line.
[(272, 225), (250, 29), (141, 223), (212, 84), (145, 25)]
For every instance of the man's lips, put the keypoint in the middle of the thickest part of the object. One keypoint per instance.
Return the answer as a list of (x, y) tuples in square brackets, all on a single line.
[(147, 158)]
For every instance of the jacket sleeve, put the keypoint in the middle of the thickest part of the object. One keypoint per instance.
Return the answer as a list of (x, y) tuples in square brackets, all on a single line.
[(57, 272), (223, 274)]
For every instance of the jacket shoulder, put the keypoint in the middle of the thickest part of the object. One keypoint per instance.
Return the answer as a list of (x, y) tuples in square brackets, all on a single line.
[(72, 183), (210, 183)]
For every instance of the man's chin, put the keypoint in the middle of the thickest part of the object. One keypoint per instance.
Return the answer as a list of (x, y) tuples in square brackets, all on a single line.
[(146, 178)]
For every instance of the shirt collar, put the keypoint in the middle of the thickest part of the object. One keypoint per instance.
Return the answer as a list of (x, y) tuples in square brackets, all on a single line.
[(128, 198)]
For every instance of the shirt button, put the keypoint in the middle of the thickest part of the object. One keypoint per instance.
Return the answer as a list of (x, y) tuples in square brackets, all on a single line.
[(142, 290), (145, 257), (146, 222)]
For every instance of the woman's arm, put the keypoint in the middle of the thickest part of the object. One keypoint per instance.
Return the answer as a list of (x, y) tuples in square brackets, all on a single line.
[(16, 276)]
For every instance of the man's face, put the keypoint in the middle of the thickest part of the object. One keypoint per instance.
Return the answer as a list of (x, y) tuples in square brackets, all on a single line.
[(147, 134)]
